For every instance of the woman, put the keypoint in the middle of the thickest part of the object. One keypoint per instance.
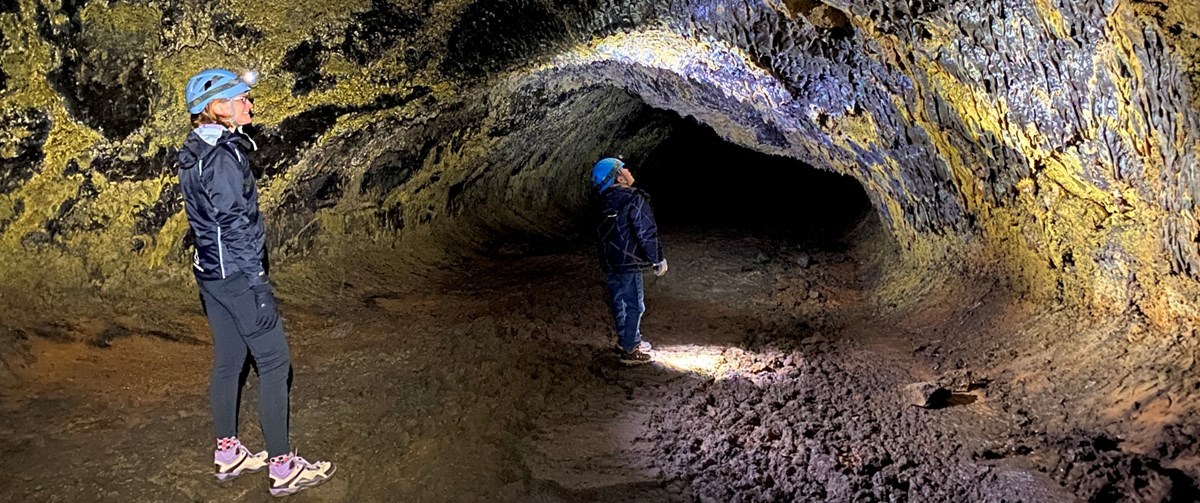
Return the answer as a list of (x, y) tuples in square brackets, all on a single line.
[(221, 199)]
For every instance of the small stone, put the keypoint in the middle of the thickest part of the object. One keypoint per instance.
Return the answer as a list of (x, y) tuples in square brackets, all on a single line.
[(815, 339), (814, 295), (927, 395), (961, 380), (804, 260)]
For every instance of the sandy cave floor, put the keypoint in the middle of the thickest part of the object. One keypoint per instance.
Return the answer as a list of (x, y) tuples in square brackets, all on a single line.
[(775, 382)]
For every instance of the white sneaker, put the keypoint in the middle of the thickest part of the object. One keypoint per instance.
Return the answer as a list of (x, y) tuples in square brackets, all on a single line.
[(295, 474), (643, 346), (235, 459)]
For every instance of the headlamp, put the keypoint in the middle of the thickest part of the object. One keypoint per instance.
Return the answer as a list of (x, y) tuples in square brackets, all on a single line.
[(250, 77)]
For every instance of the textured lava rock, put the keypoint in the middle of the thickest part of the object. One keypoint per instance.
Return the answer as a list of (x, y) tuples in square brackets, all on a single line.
[(1053, 144), (775, 437), (141, 168), (1017, 132), (482, 39), (1095, 464), (103, 73), (927, 395), (23, 137), (376, 31), (149, 220), (305, 62), (3, 76)]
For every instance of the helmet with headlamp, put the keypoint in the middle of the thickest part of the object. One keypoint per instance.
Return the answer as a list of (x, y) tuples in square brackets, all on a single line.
[(604, 172), (216, 84)]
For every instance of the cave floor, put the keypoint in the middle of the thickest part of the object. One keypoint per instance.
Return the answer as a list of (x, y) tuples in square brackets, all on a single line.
[(776, 380)]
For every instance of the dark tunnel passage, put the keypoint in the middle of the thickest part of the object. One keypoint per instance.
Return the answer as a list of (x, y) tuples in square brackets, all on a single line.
[(700, 181), (699, 184)]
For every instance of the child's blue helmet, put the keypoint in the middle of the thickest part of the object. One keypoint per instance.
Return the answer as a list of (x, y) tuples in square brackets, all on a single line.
[(215, 84), (604, 173)]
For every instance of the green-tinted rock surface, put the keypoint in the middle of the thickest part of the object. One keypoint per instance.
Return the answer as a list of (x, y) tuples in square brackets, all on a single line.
[(1057, 139)]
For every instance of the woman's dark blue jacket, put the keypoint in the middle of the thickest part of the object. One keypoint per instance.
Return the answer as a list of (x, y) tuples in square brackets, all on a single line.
[(221, 199)]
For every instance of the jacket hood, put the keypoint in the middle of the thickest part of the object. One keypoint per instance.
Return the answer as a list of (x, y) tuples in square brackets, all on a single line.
[(619, 194), (194, 149)]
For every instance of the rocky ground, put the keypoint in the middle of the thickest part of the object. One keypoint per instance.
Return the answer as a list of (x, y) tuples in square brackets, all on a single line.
[(781, 376)]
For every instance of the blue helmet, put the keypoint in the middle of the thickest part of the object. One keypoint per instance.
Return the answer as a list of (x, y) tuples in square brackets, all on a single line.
[(604, 173), (215, 84)]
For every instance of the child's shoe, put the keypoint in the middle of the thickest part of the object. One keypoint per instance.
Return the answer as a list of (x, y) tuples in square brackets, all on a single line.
[(635, 357), (291, 474), (233, 459), (643, 346)]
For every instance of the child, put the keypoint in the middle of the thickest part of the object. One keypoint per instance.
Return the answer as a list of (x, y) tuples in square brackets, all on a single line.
[(628, 245)]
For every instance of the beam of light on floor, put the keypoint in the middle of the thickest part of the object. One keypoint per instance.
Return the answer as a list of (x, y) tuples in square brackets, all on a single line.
[(705, 360)]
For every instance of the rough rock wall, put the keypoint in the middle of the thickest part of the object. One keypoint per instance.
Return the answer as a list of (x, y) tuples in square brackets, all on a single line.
[(1058, 139)]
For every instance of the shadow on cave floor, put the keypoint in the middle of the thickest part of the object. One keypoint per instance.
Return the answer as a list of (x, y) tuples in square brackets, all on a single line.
[(776, 380)]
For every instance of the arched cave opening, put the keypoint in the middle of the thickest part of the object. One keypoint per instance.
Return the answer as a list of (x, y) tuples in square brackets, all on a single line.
[(700, 182), (535, 197)]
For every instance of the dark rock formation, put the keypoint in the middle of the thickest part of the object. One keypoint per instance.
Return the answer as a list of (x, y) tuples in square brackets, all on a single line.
[(25, 134)]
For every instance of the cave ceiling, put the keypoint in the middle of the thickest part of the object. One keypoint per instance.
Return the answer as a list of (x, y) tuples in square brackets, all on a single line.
[(1056, 138)]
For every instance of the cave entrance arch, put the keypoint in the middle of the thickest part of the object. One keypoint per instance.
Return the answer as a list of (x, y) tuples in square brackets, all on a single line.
[(700, 182)]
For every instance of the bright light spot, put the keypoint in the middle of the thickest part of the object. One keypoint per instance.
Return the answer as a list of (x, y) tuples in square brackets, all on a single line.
[(705, 360), (250, 77)]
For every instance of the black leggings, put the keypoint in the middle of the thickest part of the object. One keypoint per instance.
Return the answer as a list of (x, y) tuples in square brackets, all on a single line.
[(229, 304)]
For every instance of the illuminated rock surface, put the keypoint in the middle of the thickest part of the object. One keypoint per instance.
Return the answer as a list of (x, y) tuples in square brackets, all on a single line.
[(1045, 149)]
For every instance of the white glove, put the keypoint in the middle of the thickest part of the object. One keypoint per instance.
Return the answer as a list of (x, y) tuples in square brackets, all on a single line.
[(660, 268)]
